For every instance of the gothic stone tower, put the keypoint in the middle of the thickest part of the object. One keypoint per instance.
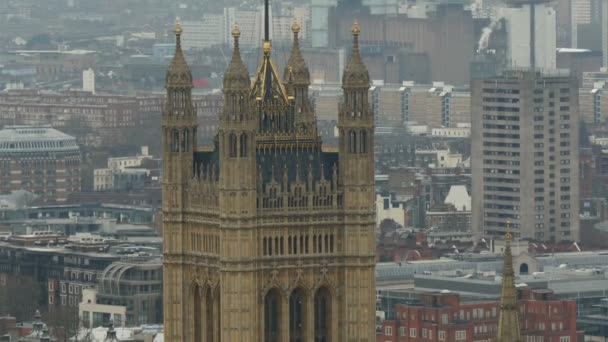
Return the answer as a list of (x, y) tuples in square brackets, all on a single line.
[(268, 235)]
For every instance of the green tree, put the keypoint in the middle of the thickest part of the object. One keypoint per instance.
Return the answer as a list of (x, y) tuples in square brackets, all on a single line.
[(39, 42)]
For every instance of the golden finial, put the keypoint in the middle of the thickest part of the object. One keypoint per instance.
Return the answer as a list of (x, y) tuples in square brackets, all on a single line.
[(356, 30), (236, 32), (508, 236), (178, 26), (295, 27), (267, 48)]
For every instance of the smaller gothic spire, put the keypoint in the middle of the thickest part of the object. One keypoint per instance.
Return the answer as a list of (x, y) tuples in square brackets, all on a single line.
[(236, 76), (296, 63), (111, 333), (508, 322), (178, 74), (356, 74)]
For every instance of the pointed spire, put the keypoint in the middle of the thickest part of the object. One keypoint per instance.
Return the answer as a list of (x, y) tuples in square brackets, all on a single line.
[(236, 76), (296, 63), (178, 74), (355, 74), (508, 321)]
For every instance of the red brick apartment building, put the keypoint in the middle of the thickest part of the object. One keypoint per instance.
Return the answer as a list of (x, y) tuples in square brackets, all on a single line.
[(443, 317)]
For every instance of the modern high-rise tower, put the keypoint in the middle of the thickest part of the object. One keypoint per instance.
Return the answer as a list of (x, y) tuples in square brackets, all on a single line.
[(524, 155), (531, 30), (267, 235)]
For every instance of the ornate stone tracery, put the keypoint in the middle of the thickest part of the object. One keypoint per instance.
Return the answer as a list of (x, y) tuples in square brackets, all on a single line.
[(258, 223)]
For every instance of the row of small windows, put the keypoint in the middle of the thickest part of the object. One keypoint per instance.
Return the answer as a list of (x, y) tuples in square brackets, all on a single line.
[(501, 180), (491, 117), (501, 197), (502, 216), (501, 206), (500, 144), (300, 201), (297, 245), (501, 153), (37, 144), (501, 99), (501, 188), (501, 171), (501, 109), (501, 162), (501, 135), (502, 224), (205, 243), (500, 91), (494, 126)]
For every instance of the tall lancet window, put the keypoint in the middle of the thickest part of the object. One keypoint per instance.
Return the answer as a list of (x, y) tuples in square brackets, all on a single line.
[(296, 316), (175, 140), (232, 148), (272, 316), (244, 145), (198, 318), (363, 142), (352, 142), (322, 315), (186, 141)]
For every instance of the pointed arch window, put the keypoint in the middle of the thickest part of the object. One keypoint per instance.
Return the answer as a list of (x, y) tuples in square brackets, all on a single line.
[(175, 140), (232, 148), (322, 313), (244, 145), (209, 329), (234, 107), (272, 316), (186, 141), (352, 142), (363, 142), (297, 314), (198, 315)]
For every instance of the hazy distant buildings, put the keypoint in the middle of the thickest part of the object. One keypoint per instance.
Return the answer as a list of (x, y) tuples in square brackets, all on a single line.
[(580, 14), (40, 160), (520, 38), (436, 105), (605, 34), (320, 12), (88, 80), (524, 156), (593, 102), (123, 173), (204, 33), (215, 29)]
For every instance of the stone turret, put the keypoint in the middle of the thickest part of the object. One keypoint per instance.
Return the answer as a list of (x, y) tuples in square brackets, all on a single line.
[(236, 76), (296, 69), (178, 74), (356, 74)]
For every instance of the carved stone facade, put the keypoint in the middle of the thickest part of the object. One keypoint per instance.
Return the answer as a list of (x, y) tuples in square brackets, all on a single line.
[(267, 235)]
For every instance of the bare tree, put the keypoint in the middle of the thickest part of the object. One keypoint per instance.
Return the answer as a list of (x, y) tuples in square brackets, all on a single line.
[(63, 322), (20, 297)]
